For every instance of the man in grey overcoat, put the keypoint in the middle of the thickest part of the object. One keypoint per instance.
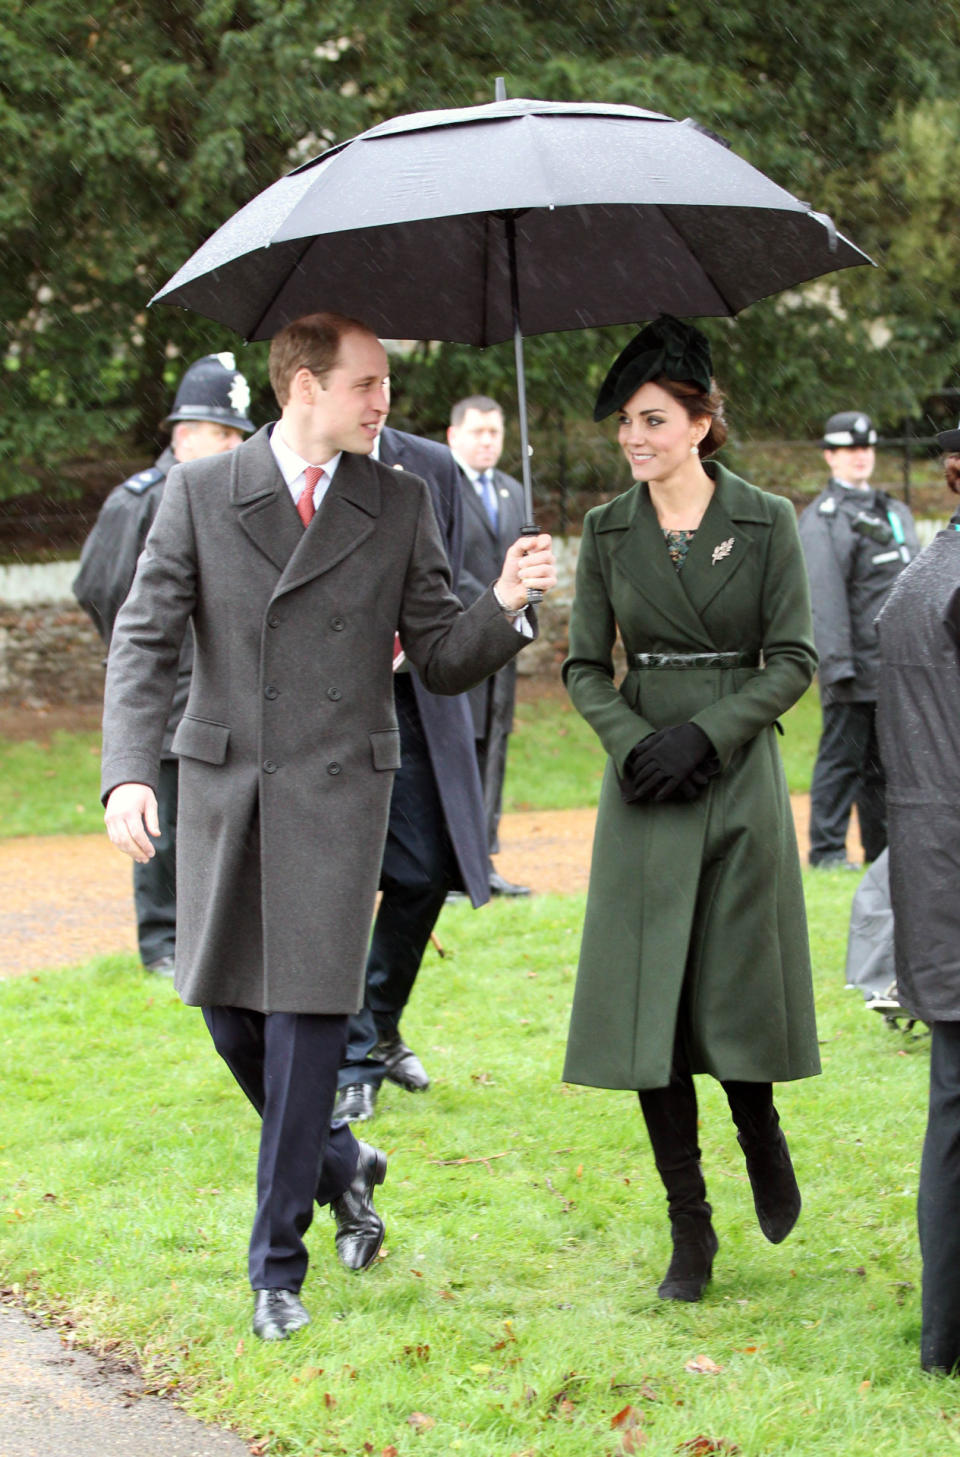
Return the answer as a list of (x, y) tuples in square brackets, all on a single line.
[(298, 560), (209, 417), (919, 726)]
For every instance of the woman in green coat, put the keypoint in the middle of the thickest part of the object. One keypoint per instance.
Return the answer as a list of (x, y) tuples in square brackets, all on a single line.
[(694, 956)]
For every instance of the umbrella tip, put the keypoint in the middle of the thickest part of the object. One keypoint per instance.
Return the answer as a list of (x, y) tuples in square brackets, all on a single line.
[(500, 91)]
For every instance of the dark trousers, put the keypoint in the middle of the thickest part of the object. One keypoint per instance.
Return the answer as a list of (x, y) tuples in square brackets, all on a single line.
[(155, 883), (848, 771), (286, 1063), (419, 868), (492, 763), (938, 1205)]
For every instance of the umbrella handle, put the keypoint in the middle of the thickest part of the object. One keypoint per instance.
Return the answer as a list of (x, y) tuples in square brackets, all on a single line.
[(534, 595)]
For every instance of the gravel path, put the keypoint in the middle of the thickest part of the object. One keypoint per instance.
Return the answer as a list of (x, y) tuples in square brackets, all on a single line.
[(64, 899)]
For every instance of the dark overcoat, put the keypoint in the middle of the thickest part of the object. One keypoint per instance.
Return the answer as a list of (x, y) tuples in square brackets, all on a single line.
[(491, 702), (289, 743), (918, 723), (447, 722), (701, 898)]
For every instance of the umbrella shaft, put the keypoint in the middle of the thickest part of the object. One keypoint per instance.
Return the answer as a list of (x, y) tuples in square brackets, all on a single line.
[(511, 227)]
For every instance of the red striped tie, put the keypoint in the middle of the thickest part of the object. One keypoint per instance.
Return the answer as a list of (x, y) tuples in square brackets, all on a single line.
[(306, 510)]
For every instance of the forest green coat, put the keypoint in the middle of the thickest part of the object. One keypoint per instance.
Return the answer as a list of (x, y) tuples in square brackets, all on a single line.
[(702, 897)]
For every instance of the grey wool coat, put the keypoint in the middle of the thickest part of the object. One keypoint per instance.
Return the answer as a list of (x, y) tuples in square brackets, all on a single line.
[(695, 913), (289, 742), (918, 723)]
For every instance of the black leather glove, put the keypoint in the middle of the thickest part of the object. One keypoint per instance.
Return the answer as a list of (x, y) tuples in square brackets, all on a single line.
[(673, 763)]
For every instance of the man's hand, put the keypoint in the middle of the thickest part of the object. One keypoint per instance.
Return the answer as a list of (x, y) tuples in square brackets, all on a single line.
[(130, 815), (529, 563)]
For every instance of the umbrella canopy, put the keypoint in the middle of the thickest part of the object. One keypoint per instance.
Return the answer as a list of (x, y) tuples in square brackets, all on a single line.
[(619, 214)]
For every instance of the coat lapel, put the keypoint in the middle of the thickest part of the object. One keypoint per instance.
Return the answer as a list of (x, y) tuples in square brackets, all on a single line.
[(721, 544), (347, 517), (266, 510), (641, 555)]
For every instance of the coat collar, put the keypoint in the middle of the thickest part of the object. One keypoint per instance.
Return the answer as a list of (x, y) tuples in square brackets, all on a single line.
[(267, 514), (719, 548)]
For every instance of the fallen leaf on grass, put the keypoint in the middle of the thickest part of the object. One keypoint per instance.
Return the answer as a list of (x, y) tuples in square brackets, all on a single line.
[(703, 1446), (390, 1451), (420, 1421), (864, 1387), (565, 1407), (417, 1353), (703, 1366), (329, 1400), (628, 1423)]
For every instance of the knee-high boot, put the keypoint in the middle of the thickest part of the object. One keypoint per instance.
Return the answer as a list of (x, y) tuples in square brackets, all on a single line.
[(776, 1195), (671, 1117)]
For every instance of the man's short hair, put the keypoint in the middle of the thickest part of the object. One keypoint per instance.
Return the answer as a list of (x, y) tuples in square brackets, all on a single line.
[(311, 342), (483, 403)]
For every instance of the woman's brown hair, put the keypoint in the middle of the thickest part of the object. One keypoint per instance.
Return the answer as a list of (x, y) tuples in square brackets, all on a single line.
[(698, 405)]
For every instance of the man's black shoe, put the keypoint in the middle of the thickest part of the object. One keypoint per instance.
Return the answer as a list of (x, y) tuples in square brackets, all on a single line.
[(355, 1103), (164, 967), (276, 1314), (403, 1066), (359, 1227), (500, 886)]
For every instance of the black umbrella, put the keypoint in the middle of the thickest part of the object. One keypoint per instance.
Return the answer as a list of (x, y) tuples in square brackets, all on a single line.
[(521, 216)]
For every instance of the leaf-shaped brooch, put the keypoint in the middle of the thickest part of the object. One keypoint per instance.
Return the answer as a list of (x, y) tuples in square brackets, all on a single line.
[(723, 550)]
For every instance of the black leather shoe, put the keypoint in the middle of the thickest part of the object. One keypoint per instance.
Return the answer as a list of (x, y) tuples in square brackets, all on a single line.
[(500, 886), (360, 1229), (164, 967), (355, 1103), (403, 1066), (276, 1314)]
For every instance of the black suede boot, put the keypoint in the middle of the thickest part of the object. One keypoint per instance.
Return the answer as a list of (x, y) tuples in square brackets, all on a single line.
[(671, 1117), (776, 1195)]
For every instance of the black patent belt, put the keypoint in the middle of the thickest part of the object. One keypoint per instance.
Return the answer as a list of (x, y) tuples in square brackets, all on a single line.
[(691, 660)]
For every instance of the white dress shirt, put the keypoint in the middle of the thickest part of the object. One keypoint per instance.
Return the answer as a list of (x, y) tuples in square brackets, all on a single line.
[(293, 468)]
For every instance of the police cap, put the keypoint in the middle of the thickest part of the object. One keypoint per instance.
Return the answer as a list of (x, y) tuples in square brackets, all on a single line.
[(213, 389), (849, 428)]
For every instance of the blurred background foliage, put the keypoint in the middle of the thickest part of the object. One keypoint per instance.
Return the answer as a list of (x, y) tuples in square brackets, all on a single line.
[(131, 130)]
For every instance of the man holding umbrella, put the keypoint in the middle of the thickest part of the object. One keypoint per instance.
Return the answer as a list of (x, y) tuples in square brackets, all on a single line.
[(288, 750)]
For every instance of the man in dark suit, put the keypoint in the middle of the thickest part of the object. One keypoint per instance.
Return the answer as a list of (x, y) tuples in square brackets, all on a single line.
[(298, 560), (436, 836), (492, 517)]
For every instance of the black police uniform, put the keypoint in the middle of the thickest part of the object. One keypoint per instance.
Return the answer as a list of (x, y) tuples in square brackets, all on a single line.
[(856, 543), (107, 567)]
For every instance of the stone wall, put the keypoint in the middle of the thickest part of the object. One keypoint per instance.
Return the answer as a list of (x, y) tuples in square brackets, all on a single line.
[(50, 653)]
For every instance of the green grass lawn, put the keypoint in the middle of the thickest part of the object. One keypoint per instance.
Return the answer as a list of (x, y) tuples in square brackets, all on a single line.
[(515, 1309), (50, 787)]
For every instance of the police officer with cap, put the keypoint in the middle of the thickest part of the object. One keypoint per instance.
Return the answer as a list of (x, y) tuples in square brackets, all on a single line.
[(856, 541), (209, 417)]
